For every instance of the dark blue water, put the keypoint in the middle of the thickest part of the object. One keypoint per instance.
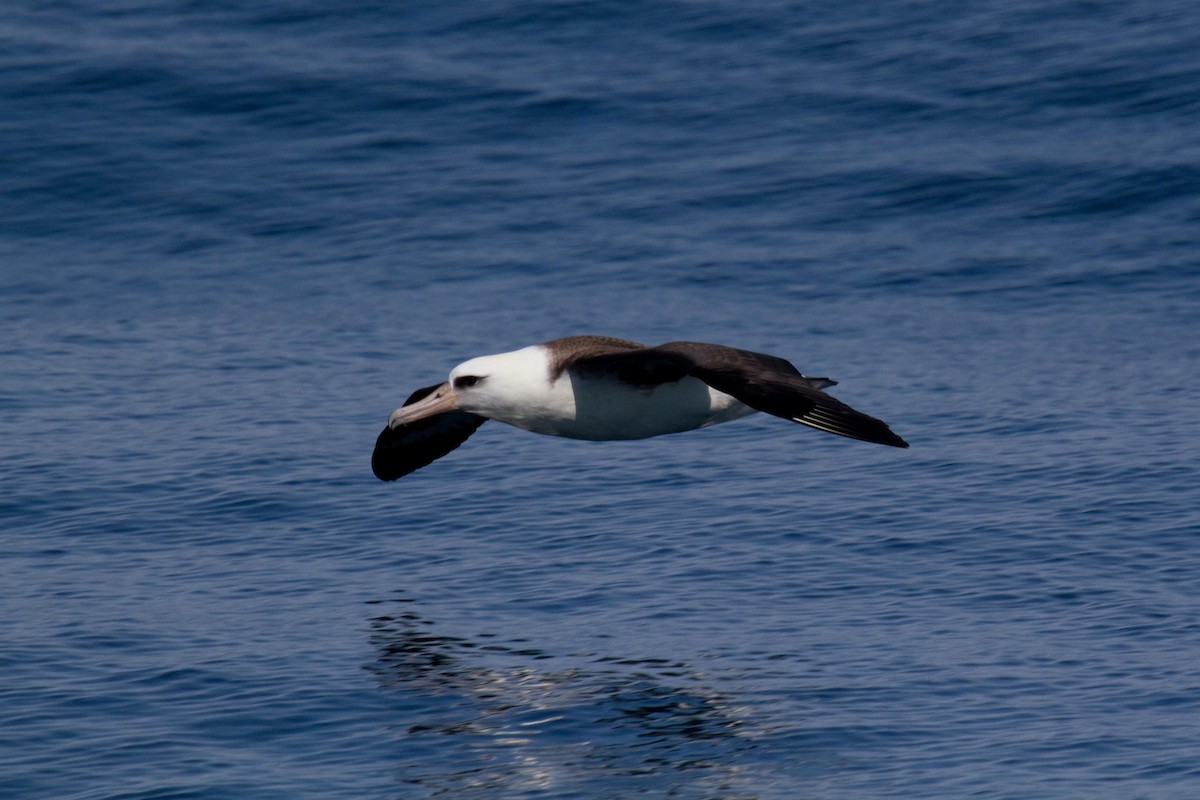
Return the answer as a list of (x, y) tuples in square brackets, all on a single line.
[(233, 237)]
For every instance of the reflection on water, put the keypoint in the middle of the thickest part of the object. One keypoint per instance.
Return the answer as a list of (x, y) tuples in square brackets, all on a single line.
[(493, 719)]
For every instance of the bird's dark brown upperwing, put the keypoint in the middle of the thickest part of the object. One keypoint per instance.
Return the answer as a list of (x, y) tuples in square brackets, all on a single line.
[(410, 447), (765, 383)]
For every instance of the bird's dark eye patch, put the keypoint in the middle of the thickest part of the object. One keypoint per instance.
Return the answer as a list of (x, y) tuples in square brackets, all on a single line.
[(466, 381)]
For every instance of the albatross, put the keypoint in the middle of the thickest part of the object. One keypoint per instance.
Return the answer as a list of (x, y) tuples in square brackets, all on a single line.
[(604, 388)]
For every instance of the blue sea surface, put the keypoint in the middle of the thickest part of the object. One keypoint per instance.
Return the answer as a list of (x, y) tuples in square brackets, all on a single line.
[(235, 236)]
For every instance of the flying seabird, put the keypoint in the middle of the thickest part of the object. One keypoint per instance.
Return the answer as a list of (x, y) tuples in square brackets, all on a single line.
[(599, 387)]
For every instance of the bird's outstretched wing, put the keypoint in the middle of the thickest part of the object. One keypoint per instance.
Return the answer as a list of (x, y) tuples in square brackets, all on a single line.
[(409, 447), (763, 382)]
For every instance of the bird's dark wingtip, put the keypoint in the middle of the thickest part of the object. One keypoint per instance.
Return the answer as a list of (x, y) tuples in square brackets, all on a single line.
[(875, 433), (385, 460), (833, 416)]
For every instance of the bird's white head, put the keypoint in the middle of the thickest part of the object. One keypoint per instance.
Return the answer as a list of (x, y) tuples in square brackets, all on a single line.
[(508, 387), (505, 386)]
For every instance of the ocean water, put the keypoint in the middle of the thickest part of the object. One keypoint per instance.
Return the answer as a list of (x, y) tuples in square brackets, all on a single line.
[(233, 237)]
